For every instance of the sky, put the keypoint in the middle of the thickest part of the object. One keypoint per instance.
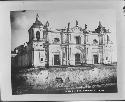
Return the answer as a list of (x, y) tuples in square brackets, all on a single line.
[(21, 21)]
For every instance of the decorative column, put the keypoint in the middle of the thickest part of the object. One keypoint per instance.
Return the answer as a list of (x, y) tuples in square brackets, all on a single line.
[(46, 45), (62, 46), (68, 43), (85, 44)]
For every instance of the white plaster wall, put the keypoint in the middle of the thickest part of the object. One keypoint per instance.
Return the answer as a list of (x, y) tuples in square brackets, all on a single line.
[(54, 49), (92, 37), (37, 56), (51, 37), (38, 45), (72, 57), (91, 51), (108, 53), (89, 55), (64, 38)]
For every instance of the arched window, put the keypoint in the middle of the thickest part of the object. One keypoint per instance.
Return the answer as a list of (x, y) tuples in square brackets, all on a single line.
[(37, 35)]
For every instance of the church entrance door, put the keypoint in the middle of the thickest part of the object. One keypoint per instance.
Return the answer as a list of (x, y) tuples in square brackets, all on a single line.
[(56, 60), (95, 59), (77, 59)]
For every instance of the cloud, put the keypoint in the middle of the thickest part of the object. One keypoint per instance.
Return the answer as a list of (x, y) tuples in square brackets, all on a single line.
[(19, 20)]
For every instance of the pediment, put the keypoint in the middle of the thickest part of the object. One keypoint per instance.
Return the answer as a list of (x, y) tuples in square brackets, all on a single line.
[(77, 29)]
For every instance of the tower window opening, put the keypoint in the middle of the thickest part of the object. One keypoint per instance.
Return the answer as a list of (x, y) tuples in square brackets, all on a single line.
[(37, 35)]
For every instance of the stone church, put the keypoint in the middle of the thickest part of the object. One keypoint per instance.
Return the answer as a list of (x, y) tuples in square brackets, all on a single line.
[(69, 46)]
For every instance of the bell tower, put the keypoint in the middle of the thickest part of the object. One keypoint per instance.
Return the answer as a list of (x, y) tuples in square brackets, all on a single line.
[(36, 30), (38, 44)]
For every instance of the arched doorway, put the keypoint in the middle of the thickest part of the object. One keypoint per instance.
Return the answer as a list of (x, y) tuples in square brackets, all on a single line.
[(77, 59)]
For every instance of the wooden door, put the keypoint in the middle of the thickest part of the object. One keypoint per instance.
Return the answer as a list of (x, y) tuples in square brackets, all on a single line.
[(95, 59), (77, 59), (56, 60)]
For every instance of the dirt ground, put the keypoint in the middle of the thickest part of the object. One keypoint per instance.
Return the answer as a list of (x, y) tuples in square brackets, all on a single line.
[(99, 78)]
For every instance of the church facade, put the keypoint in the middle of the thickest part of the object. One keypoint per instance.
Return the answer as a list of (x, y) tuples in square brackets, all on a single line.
[(69, 46)]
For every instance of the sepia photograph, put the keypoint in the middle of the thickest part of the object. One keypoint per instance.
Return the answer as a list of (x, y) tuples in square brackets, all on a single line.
[(63, 51)]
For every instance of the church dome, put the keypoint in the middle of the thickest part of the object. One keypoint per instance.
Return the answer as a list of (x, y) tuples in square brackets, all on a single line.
[(37, 23)]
